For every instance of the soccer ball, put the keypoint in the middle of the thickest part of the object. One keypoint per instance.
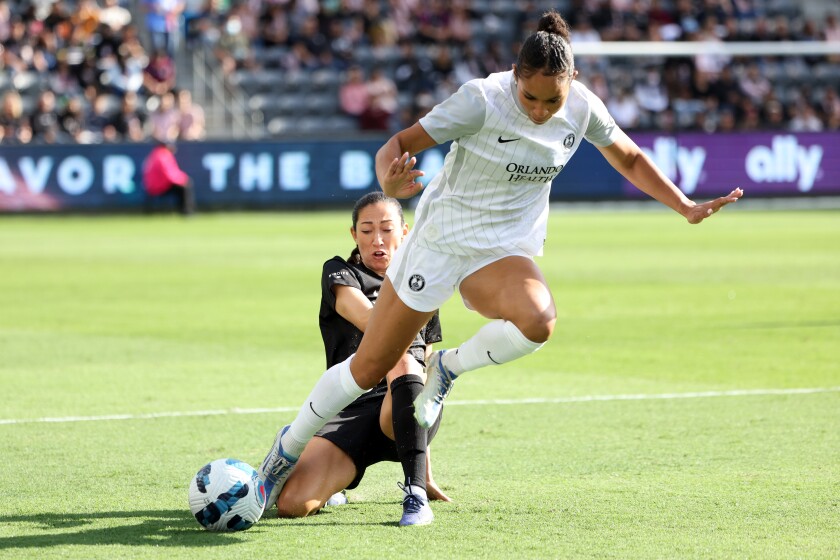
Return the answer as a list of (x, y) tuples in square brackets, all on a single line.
[(227, 495)]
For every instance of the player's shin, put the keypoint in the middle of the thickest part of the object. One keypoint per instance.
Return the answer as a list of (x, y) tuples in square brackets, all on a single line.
[(409, 437), (334, 390)]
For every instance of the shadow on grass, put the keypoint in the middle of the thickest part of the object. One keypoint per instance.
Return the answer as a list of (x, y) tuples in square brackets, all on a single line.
[(326, 517), (131, 528)]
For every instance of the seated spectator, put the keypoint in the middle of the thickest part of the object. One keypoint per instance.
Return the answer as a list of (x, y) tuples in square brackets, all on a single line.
[(493, 58), (831, 33), (163, 121), (191, 118), (234, 47), (460, 23), (624, 108), (651, 94), (73, 119), (754, 85), (383, 102), (830, 103), (16, 127), (121, 74), (128, 121), (774, 115), (62, 80), (45, 126), (583, 32), (353, 95), (432, 20), (159, 74), (114, 16), (467, 67), (85, 19), (711, 62), (413, 71), (100, 123), (5, 21), (274, 26), (164, 179), (804, 118)]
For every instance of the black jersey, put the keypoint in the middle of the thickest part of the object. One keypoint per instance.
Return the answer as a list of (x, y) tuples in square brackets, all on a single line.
[(341, 337)]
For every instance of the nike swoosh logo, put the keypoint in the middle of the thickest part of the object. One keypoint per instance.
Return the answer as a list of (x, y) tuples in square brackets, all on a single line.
[(505, 141), (315, 413), (488, 355)]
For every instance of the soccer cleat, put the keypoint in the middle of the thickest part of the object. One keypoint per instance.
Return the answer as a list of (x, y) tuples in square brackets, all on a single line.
[(416, 509), (439, 382), (275, 471), (337, 499)]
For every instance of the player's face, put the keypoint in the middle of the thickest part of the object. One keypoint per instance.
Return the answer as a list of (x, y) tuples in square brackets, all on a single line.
[(541, 96), (379, 231)]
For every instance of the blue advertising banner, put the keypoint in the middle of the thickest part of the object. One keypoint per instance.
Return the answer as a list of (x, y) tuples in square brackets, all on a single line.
[(306, 174)]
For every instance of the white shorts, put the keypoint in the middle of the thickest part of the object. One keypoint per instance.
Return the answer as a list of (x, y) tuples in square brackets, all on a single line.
[(424, 278)]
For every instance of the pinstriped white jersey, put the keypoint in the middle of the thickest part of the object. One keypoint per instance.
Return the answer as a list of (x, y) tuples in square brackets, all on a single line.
[(491, 197)]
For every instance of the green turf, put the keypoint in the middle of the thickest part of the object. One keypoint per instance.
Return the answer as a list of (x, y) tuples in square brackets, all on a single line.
[(125, 315)]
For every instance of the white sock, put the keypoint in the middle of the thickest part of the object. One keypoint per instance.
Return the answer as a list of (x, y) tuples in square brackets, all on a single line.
[(497, 342), (334, 391)]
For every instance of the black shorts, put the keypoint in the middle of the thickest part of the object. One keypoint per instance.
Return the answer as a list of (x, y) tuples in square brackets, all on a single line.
[(356, 431)]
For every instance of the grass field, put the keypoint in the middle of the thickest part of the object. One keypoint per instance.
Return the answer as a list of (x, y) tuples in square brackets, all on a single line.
[(667, 418)]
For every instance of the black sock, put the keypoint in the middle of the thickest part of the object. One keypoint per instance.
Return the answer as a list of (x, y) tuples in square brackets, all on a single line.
[(409, 436)]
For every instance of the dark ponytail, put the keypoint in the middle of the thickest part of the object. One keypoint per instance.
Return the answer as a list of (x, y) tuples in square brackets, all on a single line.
[(549, 50)]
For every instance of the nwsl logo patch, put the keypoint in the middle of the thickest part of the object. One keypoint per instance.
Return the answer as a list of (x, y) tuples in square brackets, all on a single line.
[(569, 141), (416, 283)]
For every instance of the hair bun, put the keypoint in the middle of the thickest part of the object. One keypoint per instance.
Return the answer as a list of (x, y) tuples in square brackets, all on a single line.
[(552, 22)]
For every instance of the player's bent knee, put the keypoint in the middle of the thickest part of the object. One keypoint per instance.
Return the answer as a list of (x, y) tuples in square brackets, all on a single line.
[(539, 327), (369, 372), (406, 365), (291, 507)]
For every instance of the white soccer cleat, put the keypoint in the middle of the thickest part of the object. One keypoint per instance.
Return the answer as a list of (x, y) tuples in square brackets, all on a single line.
[(337, 499), (429, 402), (275, 470)]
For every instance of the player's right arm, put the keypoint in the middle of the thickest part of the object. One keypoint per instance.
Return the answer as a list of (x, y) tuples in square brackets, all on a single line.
[(352, 305), (462, 114), (395, 162)]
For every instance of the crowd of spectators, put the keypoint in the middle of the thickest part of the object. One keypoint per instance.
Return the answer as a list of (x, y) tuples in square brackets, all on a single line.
[(88, 71), (426, 49), (79, 72)]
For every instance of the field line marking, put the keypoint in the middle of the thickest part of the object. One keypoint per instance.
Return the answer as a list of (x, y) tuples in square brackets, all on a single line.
[(485, 402)]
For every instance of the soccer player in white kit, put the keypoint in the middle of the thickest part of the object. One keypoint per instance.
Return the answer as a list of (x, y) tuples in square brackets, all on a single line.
[(478, 226)]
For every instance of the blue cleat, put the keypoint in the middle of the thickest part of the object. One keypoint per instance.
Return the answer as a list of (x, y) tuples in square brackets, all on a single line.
[(275, 471), (439, 382), (416, 509)]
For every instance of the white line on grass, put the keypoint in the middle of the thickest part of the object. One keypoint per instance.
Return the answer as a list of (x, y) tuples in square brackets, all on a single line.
[(559, 400)]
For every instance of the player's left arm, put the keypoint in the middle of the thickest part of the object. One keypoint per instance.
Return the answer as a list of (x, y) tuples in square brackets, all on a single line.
[(629, 160)]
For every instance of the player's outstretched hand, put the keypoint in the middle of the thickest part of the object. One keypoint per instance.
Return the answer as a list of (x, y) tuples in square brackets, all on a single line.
[(435, 493), (702, 211), (400, 179)]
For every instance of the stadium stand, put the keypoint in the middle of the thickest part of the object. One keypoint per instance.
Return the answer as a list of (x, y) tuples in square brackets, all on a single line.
[(288, 61)]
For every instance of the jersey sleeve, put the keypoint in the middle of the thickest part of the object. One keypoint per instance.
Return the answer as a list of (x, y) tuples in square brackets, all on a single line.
[(462, 114), (602, 130), (337, 273)]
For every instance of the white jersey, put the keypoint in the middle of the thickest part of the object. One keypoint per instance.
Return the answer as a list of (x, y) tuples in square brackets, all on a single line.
[(491, 197)]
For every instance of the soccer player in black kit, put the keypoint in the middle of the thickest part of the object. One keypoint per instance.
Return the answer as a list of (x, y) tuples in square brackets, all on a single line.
[(379, 425)]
